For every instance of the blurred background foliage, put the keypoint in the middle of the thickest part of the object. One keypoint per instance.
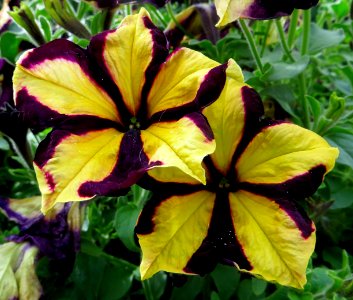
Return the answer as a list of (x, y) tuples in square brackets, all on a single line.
[(106, 267)]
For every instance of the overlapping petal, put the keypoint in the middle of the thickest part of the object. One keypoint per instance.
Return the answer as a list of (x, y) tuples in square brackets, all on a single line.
[(121, 101), (181, 80), (56, 235), (272, 238), (231, 10), (256, 174), (131, 56), (55, 80), (174, 232), (57, 181), (18, 279), (281, 152), (178, 143)]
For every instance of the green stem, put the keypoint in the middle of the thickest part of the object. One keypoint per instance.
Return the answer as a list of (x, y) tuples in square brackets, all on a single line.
[(128, 9), (268, 28), (251, 43), (147, 290), (157, 14), (283, 40), (177, 24), (306, 32), (293, 28), (302, 82), (108, 18)]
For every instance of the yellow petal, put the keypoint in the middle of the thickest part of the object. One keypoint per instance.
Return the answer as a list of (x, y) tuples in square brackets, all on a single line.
[(271, 239), (180, 226), (284, 151), (182, 144)]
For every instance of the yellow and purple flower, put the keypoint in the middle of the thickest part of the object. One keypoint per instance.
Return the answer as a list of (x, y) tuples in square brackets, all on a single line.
[(120, 107), (231, 10), (247, 215), (56, 235), (198, 21)]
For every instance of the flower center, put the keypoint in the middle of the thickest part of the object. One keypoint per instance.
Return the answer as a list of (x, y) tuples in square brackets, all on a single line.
[(224, 183), (134, 124)]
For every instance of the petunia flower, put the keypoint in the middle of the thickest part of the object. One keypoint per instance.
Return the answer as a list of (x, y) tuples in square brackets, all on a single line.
[(119, 108), (231, 10), (247, 215), (197, 20), (56, 235), (18, 279)]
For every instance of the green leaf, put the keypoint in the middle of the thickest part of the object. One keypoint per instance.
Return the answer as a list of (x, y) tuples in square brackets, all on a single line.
[(345, 144), (282, 70), (321, 39), (9, 46), (190, 290), (226, 280), (125, 221), (258, 286), (45, 25)]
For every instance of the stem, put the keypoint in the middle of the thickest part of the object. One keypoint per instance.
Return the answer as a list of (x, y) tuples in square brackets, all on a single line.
[(293, 27), (268, 27), (157, 14), (128, 9), (108, 18), (172, 16), (306, 32), (251, 43), (283, 40), (147, 290), (302, 82)]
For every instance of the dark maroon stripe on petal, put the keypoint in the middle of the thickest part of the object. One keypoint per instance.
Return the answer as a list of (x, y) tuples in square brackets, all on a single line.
[(168, 189), (202, 123), (209, 91), (60, 48), (288, 193), (77, 125), (132, 163), (254, 110), (161, 192), (267, 9), (35, 114), (221, 244), (160, 52), (96, 50)]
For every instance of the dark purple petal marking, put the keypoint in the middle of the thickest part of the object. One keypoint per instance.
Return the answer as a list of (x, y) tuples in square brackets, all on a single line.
[(254, 110), (160, 53), (201, 122), (209, 91), (77, 125), (131, 164), (53, 237), (35, 114), (162, 192), (287, 193), (6, 97), (267, 9), (12, 215), (56, 49), (221, 244), (96, 50)]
